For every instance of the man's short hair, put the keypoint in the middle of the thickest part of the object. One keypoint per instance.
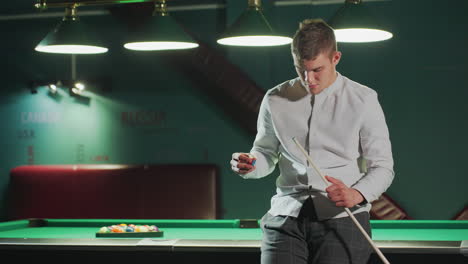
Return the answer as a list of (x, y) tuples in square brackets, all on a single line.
[(313, 37)]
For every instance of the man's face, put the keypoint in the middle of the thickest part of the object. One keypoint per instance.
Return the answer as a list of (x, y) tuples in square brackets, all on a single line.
[(318, 73)]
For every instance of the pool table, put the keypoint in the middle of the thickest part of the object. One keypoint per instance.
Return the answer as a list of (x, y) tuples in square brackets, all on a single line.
[(209, 241)]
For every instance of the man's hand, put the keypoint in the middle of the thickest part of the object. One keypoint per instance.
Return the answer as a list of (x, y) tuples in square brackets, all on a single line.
[(342, 195), (242, 163)]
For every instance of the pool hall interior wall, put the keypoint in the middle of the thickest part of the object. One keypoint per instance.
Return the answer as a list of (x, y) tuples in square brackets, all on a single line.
[(150, 110)]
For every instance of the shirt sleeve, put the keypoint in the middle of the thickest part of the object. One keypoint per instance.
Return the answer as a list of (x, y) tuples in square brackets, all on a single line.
[(266, 144), (376, 150)]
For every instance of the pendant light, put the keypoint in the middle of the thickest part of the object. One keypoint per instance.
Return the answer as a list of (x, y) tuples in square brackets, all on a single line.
[(71, 36), (252, 29), (354, 23), (161, 33)]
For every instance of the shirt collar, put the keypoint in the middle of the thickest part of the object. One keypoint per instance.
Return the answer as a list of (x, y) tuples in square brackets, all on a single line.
[(330, 89)]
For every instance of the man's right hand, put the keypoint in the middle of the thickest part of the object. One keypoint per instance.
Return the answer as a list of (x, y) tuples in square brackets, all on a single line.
[(243, 163)]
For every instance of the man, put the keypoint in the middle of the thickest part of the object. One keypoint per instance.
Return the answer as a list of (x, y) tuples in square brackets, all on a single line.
[(337, 121)]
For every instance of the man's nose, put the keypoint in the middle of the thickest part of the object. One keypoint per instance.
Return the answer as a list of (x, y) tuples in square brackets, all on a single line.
[(310, 78)]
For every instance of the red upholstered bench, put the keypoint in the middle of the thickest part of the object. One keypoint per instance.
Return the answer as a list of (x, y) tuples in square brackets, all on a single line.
[(462, 215), (385, 208), (114, 191)]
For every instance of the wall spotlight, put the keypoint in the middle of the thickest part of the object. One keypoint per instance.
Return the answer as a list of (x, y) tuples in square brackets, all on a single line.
[(74, 87), (77, 88), (33, 89), (80, 86), (52, 88), (74, 91)]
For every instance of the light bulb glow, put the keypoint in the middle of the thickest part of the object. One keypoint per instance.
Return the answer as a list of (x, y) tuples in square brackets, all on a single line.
[(359, 35), (255, 41), (71, 49), (80, 86), (75, 90), (160, 45), (52, 88)]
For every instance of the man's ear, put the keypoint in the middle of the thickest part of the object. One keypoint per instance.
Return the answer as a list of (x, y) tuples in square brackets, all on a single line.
[(336, 57)]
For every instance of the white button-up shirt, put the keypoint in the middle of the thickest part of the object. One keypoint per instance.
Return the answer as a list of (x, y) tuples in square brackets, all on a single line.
[(337, 127)]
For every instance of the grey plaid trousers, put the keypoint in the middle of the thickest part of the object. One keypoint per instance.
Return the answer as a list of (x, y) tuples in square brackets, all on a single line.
[(305, 240)]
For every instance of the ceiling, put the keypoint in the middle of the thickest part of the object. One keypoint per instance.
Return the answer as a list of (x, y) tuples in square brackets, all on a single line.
[(27, 6), (16, 7)]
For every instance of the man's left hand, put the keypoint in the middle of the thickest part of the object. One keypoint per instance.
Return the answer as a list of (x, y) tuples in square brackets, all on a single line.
[(342, 195)]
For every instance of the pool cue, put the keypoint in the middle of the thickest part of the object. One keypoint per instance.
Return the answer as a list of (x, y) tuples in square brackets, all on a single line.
[(351, 215)]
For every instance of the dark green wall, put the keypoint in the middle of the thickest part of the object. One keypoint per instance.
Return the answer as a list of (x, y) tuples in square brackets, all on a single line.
[(420, 75)]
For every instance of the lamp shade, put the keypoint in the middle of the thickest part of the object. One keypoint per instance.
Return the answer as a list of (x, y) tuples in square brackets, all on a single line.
[(70, 36), (354, 23), (252, 29), (161, 33)]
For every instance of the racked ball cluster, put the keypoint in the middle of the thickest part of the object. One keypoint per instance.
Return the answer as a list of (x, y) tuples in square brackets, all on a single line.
[(124, 228)]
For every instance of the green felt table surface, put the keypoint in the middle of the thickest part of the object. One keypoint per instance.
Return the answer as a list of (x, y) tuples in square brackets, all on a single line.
[(417, 230)]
